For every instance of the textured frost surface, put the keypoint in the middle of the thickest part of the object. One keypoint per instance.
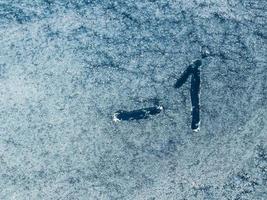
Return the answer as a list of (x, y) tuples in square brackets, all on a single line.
[(67, 66)]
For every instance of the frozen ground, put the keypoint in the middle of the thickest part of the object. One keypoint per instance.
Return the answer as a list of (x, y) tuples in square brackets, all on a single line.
[(66, 66)]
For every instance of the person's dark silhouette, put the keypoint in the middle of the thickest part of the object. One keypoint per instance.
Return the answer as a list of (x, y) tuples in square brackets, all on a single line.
[(194, 71)]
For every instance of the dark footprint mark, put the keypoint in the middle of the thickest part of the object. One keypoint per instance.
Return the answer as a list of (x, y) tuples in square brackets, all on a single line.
[(194, 71), (143, 113)]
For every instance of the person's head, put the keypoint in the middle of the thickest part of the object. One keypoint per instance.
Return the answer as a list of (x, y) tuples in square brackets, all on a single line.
[(197, 63)]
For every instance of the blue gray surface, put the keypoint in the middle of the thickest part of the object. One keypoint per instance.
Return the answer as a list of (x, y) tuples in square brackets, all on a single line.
[(66, 66)]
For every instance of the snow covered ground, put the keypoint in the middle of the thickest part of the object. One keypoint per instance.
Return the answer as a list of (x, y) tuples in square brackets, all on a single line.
[(67, 66)]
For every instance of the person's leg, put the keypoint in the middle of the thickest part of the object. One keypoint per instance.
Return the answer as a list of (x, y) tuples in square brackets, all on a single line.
[(195, 93)]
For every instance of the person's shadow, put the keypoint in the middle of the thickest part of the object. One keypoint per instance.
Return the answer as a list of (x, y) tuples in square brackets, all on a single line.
[(192, 70)]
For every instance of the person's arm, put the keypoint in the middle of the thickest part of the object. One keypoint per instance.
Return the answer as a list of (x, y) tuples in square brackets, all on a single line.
[(183, 77)]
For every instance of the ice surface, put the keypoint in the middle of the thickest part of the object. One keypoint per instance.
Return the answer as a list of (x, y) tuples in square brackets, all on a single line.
[(67, 66)]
